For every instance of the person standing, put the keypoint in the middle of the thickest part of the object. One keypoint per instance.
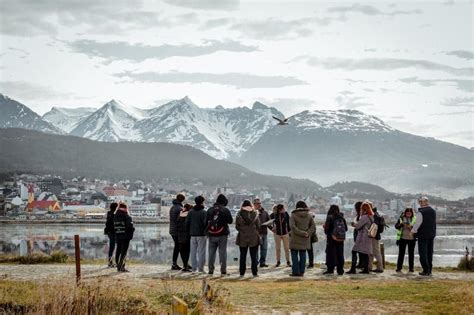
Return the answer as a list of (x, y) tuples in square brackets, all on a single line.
[(175, 211), (302, 226), (355, 255), (247, 224), (196, 224), (335, 229), (379, 220), (184, 239), (425, 231), (218, 218), (405, 238), (263, 217), (110, 232), (123, 227), (281, 232), (363, 243)]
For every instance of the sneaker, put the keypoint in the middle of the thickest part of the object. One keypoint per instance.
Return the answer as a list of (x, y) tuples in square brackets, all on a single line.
[(288, 264), (377, 271), (310, 266), (340, 273), (295, 275), (277, 264), (365, 271), (425, 274), (123, 270), (176, 267), (327, 272), (399, 271), (351, 272), (263, 265), (411, 270), (210, 273), (255, 276), (187, 269)]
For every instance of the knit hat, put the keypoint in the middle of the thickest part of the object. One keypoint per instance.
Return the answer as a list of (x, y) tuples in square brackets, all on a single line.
[(199, 200), (222, 200)]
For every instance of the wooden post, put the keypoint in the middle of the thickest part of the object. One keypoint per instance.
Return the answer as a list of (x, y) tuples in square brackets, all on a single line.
[(178, 306), (77, 249), (382, 252)]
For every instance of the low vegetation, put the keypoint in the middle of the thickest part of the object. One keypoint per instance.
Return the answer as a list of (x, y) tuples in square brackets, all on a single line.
[(36, 258)]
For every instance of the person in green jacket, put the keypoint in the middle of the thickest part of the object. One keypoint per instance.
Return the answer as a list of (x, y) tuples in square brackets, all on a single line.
[(406, 238)]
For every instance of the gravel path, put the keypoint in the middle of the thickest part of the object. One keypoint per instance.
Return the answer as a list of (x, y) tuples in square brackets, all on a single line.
[(144, 272)]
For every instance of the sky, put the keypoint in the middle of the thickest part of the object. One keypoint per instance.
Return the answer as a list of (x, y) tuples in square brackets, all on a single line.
[(411, 63)]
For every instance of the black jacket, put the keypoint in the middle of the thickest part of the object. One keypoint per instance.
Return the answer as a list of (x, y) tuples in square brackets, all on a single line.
[(183, 234), (281, 225), (329, 224), (175, 210), (196, 221), (427, 229), (224, 219), (263, 216), (123, 226), (109, 223)]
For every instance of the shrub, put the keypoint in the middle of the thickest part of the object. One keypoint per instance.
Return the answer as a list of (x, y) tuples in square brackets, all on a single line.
[(466, 264)]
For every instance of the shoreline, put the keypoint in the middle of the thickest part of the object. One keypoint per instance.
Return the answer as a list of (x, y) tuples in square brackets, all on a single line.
[(161, 222)]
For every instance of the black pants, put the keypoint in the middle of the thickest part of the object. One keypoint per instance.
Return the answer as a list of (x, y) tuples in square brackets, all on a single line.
[(121, 252), (335, 256), (311, 256), (402, 245), (364, 262), (425, 250), (354, 260), (175, 249), (243, 259), (184, 250), (111, 246)]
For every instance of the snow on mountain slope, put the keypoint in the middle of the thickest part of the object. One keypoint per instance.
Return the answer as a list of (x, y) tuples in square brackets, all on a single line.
[(14, 114), (114, 121), (67, 119)]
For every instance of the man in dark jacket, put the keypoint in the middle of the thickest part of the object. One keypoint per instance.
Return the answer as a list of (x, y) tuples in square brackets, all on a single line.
[(109, 231), (425, 231), (123, 227), (281, 232), (196, 224), (175, 211), (263, 217), (218, 219)]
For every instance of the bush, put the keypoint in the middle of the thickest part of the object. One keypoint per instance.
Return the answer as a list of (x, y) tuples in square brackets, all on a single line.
[(466, 264), (36, 258)]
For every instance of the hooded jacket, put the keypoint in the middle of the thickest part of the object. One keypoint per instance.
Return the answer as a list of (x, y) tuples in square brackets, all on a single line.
[(175, 210), (123, 225), (224, 218), (196, 221), (183, 234), (302, 226), (263, 216), (281, 225), (247, 223), (109, 224)]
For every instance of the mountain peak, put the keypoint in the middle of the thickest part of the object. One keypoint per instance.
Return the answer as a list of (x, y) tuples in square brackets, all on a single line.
[(258, 105)]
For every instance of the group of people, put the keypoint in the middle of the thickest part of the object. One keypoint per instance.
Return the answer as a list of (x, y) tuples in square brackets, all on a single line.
[(196, 230)]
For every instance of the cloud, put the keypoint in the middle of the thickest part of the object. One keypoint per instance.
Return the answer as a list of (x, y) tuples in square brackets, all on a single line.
[(370, 10), (452, 113), (459, 102), (347, 101), (32, 92), (462, 85), (215, 23), (238, 80), (290, 105), (138, 52), (380, 64), (206, 4), (464, 54)]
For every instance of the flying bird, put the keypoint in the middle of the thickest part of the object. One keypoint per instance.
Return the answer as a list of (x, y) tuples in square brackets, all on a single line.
[(282, 122)]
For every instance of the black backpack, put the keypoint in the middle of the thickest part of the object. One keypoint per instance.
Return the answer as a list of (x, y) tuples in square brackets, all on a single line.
[(380, 223), (339, 230), (215, 225)]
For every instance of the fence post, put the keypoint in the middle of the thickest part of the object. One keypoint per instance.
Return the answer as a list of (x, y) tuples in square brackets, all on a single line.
[(77, 249), (382, 252), (178, 306)]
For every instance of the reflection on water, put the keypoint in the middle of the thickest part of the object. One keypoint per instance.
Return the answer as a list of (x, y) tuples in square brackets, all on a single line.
[(153, 244)]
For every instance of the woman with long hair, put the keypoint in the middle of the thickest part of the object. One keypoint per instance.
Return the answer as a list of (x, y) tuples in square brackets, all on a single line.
[(363, 243), (405, 238), (335, 229), (123, 227)]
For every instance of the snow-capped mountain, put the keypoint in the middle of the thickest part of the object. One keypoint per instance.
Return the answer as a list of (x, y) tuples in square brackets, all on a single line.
[(67, 119), (114, 121), (14, 114)]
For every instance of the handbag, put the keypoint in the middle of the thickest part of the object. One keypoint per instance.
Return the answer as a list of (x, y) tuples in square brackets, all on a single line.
[(314, 237), (373, 229)]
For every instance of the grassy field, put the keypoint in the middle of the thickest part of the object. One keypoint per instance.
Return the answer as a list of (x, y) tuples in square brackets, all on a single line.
[(258, 297)]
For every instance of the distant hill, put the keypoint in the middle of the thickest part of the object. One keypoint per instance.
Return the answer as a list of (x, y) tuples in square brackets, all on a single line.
[(26, 150), (361, 190)]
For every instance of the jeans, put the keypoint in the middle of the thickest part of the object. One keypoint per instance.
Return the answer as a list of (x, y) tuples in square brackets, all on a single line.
[(298, 261), (218, 242), (425, 250), (243, 259), (198, 253), (377, 254), (263, 249), (175, 249), (184, 249), (111, 246), (335, 256), (402, 245), (121, 253)]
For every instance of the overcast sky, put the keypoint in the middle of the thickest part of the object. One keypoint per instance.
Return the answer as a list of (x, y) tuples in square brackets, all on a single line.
[(409, 63)]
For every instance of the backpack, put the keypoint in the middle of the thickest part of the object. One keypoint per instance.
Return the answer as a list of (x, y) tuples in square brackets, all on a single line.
[(380, 223), (215, 225), (339, 230), (373, 229)]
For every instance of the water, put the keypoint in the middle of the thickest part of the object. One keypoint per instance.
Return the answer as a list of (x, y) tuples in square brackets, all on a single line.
[(153, 244)]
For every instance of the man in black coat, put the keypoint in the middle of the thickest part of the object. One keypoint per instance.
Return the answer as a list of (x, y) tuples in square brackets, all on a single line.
[(175, 211), (263, 216), (110, 232), (123, 227), (425, 231)]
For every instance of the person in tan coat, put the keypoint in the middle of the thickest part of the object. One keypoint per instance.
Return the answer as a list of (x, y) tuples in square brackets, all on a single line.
[(302, 226)]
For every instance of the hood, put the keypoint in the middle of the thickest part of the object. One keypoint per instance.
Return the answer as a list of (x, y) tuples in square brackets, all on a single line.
[(249, 209), (301, 212), (198, 207), (176, 202)]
